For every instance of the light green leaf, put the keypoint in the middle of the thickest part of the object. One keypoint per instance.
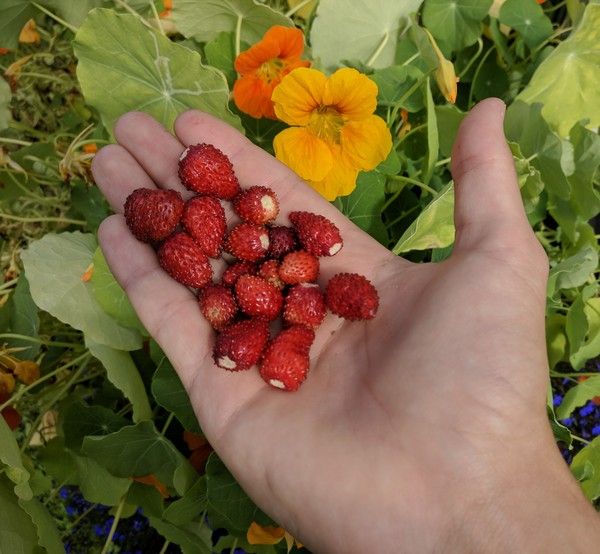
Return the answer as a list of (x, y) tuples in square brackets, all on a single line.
[(47, 532), (528, 18), (394, 84), (449, 118), (586, 466), (574, 271), (203, 20), (359, 31), (123, 374), (456, 24), (5, 98), (111, 296), (434, 228), (433, 144), (567, 82), (556, 339), (584, 192), (54, 266), (578, 395), (530, 180), (143, 70), (18, 534), (189, 506), (583, 328), (73, 11), (15, 13), (10, 456), (169, 393), (220, 53)]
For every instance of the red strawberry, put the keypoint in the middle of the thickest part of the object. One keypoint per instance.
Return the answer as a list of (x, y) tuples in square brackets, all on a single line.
[(236, 269), (240, 345), (351, 296), (269, 270), (285, 362), (152, 214), (316, 233), (184, 260), (256, 205), (218, 305), (299, 267), (304, 305), (257, 297), (247, 241), (204, 220), (204, 169), (282, 241)]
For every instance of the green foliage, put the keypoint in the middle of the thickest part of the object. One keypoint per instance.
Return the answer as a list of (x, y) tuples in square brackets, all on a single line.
[(122, 413)]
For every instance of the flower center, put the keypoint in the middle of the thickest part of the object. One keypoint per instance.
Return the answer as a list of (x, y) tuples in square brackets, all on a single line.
[(326, 122), (270, 70)]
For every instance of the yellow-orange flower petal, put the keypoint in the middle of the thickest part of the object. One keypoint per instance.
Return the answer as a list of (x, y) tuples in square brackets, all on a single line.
[(351, 92), (339, 181), (257, 534), (253, 97), (298, 95), (365, 143), (28, 34), (303, 152)]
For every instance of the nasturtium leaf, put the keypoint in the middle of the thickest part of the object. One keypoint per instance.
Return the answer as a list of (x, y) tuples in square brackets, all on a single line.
[(18, 534), (449, 118), (578, 395), (88, 203), (45, 524), (530, 181), (457, 24), (111, 296), (359, 30), (394, 87), (193, 538), (586, 153), (573, 272), (124, 65), (220, 53), (433, 144), (567, 82), (189, 506), (80, 420), (10, 456), (586, 467), (74, 11), (363, 206), (15, 13), (527, 18), (203, 20), (55, 266), (556, 339), (583, 328), (169, 393), (139, 450), (123, 374), (226, 497), (560, 432), (433, 228), (5, 99)]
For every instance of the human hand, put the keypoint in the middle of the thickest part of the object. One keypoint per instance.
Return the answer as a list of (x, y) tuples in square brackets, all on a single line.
[(422, 430)]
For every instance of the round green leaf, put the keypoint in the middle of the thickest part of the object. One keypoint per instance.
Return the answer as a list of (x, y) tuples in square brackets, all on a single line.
[(528, 18), (125, 65)]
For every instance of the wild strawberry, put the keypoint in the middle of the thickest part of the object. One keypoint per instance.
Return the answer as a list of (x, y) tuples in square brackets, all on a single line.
[(257, 297), (316, 233), (204, 169), (247, 241), (240, 345), (152, 214), (269, 270), (217, 305), (299, 267), (184, 260), (256, 204), (304, 304), (282, 241), (204, 220), (285, 361), (236, 269), (351, 296)]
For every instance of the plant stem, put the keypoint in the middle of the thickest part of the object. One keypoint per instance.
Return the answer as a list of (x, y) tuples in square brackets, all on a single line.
[(44, 219), (297, 8), (413, 182), (113, 527), (164, 547), (8, 140), (77, 520), (379, 49), (167, 423), (55, 17)]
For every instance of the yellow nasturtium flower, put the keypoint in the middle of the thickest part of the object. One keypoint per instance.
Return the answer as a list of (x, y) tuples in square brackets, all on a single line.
[(257, 534), (445, 77), (333, 131)]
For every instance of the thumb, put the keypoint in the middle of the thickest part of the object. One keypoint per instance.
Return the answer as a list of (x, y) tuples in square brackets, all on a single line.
[(488, 205)]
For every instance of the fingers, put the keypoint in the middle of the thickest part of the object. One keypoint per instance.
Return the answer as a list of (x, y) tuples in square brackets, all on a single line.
[(488, 202)]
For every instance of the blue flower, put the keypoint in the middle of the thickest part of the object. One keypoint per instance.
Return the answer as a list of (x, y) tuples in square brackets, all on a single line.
[(587, 409), (596, 430), (557, 399)]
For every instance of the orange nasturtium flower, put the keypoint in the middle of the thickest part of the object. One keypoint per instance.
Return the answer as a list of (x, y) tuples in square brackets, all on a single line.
[(334, 133), (262, 67), (29, 34)]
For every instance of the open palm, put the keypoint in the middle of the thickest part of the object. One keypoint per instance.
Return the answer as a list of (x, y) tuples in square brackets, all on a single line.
[(402, 429)]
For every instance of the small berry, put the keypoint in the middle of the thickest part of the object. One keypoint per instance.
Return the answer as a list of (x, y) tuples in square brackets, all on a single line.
[(351, 296), (257, 205), (299, 267), (218, 305), (269, 270), (204, 220), (247, 241), (152, 214), (282, 241), (185, 261), (304, 305), (236, 269), (316, 233), (285, 361), (240, 345), (204, 169), (257, 297)]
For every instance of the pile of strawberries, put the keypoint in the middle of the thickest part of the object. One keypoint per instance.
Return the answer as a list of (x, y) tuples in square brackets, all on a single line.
[(272, 269)]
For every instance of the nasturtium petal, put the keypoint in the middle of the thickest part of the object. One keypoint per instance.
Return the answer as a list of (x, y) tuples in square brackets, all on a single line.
[(567, 82), (124, 66), (339, 181), (352, 93), (298, 94), (359, 30), (204, 19), (365, 143), (303, 152)]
